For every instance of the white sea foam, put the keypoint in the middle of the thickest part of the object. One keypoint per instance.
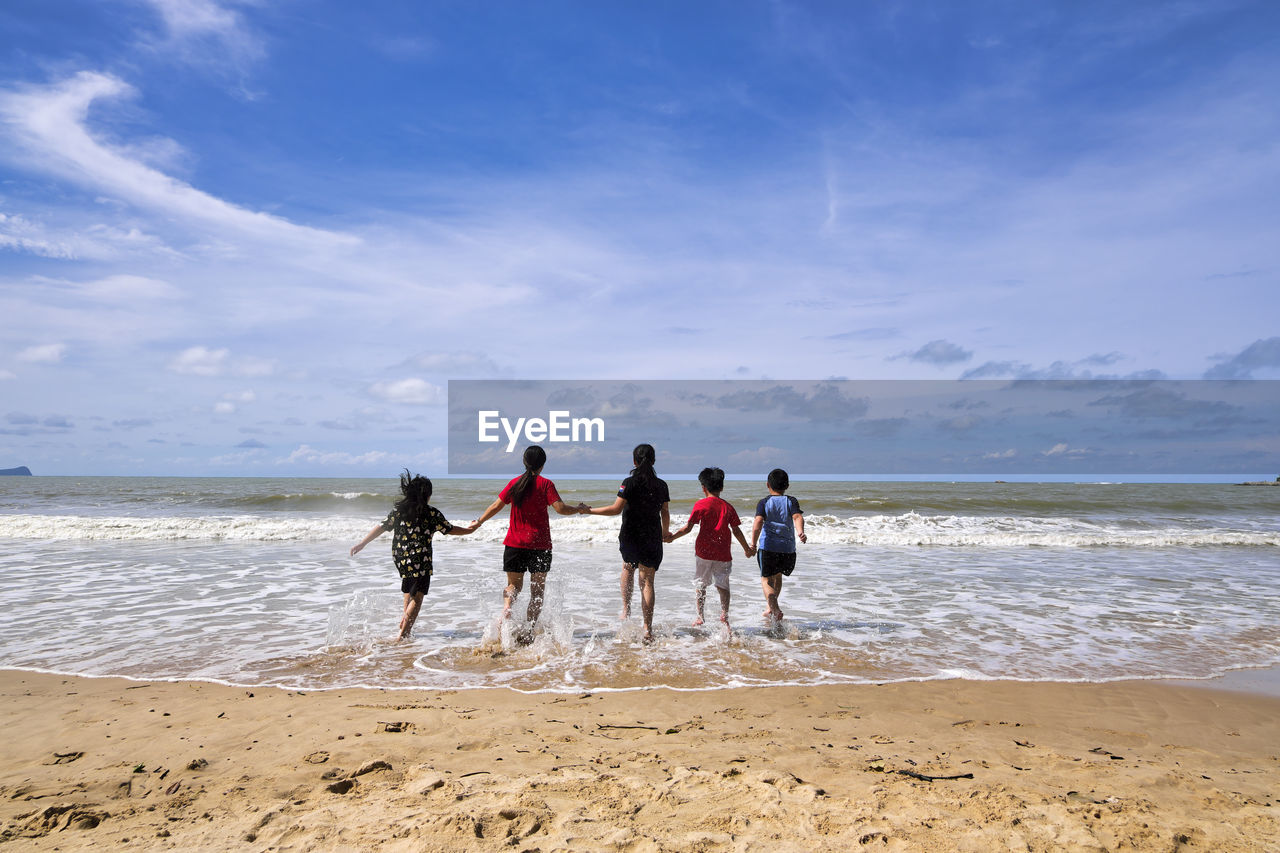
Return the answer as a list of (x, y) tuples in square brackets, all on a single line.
[(906, 530)]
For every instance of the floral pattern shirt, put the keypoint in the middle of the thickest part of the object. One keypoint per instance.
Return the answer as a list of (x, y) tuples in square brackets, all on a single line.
[(411, 544)]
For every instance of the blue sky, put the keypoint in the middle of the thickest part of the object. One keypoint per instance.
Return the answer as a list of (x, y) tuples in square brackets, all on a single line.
[(258, 238)]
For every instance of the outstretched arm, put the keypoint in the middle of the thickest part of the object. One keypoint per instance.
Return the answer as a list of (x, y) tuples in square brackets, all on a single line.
[(666, 520), (616, 509), (490, 512), (742, 540), (456, 530), (798, 520), (756, 527), (564, 509), (688, 525), (373, 534)]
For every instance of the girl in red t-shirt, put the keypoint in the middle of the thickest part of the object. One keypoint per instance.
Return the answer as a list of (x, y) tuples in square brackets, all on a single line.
[(528, 541)]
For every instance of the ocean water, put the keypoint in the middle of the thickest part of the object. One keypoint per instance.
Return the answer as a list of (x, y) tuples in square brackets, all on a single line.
[(249, 581)]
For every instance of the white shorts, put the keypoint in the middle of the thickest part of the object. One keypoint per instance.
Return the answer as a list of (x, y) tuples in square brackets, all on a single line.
[(706, 572)]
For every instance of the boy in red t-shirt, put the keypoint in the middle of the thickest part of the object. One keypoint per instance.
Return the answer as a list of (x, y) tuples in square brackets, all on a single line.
[(713, 560)]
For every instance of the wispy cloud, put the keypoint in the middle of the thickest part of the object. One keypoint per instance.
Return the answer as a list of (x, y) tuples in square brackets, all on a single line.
[(48, 125), (206, 33), (1259, 355), (938, 352), (43, 354), (412, 391)]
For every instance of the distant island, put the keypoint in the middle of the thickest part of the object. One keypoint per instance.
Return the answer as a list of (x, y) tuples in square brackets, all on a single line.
[(20, 471), (1275, 482)]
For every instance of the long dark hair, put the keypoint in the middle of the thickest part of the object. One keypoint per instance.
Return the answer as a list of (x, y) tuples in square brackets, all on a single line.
[(643, 457), (416, 491), (534, 458)]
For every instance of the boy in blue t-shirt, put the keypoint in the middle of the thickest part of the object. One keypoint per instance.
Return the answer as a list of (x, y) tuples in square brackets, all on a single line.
[(779, 518)]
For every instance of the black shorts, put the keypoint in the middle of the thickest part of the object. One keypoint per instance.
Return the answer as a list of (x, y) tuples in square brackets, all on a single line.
[(775, 562), (523, 560), (415, 586), (648, 554)]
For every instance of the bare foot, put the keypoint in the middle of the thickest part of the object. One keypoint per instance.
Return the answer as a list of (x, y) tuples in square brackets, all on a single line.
[(648, 638), (724, 619), (625, 614), (697, 622)]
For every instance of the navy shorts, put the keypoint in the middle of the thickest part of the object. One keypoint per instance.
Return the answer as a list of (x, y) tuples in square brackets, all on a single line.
[(648, 554), (775, 562), (415, 586), (523, 560)]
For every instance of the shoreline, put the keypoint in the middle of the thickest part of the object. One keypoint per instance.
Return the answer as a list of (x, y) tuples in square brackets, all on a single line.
[(1255, 681), (1049, 765)]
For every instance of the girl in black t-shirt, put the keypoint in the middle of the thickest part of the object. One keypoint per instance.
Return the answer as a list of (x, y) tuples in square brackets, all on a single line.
[(646, 521)]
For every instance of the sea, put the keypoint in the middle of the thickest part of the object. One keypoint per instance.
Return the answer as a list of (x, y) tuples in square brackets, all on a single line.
[(250, 582)]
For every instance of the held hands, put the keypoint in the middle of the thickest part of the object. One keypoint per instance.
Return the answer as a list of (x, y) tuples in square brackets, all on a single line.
[(748, 550), (583, 509), (668, 537)]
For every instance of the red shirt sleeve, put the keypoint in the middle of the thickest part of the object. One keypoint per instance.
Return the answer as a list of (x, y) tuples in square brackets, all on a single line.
[(552, 494)]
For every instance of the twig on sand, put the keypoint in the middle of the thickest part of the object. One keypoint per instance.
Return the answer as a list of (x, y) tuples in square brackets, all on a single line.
[(612, 726), (926, 778)]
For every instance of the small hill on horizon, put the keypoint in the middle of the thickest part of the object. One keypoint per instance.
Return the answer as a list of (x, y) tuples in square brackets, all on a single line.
[(20, 471)]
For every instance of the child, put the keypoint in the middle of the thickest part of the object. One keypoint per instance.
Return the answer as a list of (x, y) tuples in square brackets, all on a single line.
[(713, 559), (414, 521), (775, 516)]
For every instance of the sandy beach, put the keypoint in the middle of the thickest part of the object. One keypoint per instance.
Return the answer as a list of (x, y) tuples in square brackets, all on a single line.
[(951, 765)]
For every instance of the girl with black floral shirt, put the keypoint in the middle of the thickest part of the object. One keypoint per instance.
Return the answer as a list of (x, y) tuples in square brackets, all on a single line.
[(413, 521)]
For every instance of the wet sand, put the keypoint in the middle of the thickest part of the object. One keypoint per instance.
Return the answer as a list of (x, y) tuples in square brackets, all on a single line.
[(952, 765)]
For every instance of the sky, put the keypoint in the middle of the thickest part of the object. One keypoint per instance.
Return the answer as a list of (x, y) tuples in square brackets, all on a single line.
[(259, 237)]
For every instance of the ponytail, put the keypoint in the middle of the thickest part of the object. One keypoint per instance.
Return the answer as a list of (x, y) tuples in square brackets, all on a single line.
[(534, 458), (643, 457)]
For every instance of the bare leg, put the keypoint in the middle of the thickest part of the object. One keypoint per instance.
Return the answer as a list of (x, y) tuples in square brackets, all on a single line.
[(412, 605), (537, 590), (724, 603), (699, 598), (627, 581), (515, 583), (646, 600), (772, 588)]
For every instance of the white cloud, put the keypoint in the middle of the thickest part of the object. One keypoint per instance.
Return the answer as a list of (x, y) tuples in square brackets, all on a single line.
[(309, 455), (760, 459), (1061, 449), (21, 235), (454, 362), (200, 361), (124, 288), (48, 124), (1004, 454), (43, 354), (224, 408), (7, 374), (207, 33), (204, 361), (417, 392)]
